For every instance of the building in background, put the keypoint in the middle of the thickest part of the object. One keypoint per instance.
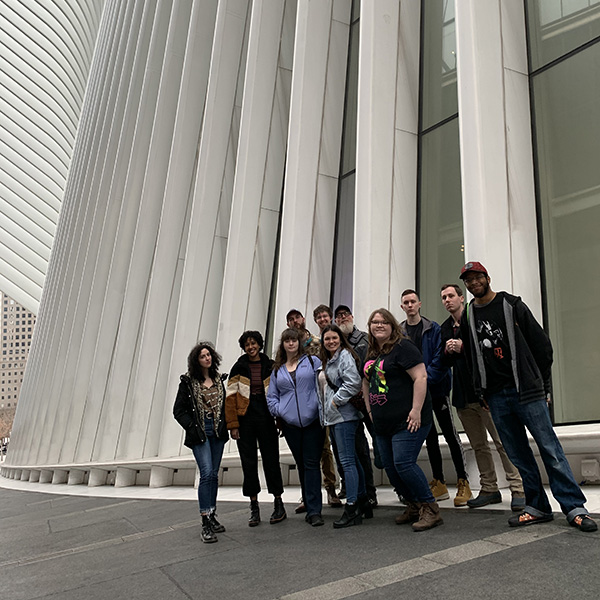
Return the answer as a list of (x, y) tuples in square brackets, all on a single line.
[(237, 158)]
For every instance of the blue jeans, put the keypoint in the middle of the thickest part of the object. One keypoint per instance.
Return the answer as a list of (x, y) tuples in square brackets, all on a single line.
[(511, 418), (354, 476), (399, 454), (306, 445), (208, 457)]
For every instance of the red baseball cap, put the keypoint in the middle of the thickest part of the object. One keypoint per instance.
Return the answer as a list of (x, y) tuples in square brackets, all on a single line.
[(472, 266)]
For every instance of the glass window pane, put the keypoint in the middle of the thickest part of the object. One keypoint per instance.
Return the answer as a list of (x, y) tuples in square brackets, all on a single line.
[(441, 250), (567, 115), (349, 145), (439, 95), (344, 243), (558, 26)]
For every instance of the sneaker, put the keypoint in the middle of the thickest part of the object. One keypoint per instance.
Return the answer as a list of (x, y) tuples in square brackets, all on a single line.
[(485, 498), (517, 503), (584, 523), (463, 493), (315, 520), (439, 490), (526, 518)]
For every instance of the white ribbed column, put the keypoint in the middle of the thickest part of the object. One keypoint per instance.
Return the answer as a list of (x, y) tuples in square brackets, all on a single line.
[(295, 286), (144, 419), (198, 309), (495, 141), (250, 248), (385, 222)]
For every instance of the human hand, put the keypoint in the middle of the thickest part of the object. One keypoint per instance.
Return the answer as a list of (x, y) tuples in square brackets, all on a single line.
[(235, 433), (414, 420)]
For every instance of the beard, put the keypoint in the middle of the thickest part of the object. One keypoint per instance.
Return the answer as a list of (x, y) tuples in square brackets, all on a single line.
[(346, 328), (485, 286)]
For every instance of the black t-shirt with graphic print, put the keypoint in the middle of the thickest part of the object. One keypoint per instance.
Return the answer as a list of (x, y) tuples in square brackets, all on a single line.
[(493, 341), (391, 388)]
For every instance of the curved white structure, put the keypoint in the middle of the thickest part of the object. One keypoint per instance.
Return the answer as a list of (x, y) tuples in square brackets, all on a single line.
[(237, 158), (46, 49)]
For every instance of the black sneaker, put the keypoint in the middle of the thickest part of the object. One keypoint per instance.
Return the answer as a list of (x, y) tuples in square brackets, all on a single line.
[(485, 498), (315, 520), (526, 518), (584, 523)]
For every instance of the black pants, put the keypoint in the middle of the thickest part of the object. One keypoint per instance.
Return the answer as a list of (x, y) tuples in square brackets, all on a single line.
[(259, 430), (443, 414)]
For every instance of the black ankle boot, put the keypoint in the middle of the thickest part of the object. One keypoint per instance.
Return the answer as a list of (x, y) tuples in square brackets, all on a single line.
[(351, 516), (254, 519), (278, 512), (208, 535), (214, 524), (364, 506)]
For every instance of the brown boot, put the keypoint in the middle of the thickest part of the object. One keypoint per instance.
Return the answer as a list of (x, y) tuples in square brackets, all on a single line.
[(410, 515), (429, 516), (332, 497)]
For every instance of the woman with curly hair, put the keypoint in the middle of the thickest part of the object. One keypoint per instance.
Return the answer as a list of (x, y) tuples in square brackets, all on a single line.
[(199, 409), (250, 423), (400, 406), (292, 399)]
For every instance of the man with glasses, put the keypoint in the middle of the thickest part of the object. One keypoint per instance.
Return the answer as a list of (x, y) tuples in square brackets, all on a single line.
[(511, 358)]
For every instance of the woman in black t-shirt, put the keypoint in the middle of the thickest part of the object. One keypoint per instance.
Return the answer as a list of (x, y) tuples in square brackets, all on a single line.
[(400, 407)]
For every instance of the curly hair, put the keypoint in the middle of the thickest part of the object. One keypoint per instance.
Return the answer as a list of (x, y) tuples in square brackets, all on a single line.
[(254, 335), (344, 344), (281, 357), (374, 349), (194, 368)]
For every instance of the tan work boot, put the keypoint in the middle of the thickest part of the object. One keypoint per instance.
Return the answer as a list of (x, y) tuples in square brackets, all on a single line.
[(410, 515), (439, 490), (463, 493), (332, 497), (429, 517)]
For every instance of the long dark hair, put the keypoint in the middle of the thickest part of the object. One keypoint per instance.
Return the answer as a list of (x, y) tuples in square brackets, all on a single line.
[(343, 344), (194, 368), (374, 349), (281, 357)]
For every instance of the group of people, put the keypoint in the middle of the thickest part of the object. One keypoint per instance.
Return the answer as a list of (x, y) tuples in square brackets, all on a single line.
[(321, 393)]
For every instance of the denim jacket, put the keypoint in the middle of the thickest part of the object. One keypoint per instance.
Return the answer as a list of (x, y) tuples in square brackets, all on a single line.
[(343, 373)]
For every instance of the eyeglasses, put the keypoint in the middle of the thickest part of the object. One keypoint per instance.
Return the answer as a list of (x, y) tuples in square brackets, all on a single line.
[(472, 278), (378, 323), (342, 314)]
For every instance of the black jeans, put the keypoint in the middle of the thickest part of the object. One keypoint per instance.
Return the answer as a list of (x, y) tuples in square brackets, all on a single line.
[(259, 430), (443, 414)]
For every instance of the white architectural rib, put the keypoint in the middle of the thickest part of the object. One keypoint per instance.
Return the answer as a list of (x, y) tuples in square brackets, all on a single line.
[(45, 55)]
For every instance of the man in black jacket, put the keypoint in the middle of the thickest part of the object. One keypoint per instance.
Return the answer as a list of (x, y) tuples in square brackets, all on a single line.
[(510, 357), (476, 420)]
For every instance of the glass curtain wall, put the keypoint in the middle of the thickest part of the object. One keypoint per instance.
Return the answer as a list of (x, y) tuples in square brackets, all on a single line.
[(564, 43), (440, 231), (341, 288)]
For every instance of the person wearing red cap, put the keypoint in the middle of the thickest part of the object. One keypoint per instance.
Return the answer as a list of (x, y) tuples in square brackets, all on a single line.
[(510, 356)]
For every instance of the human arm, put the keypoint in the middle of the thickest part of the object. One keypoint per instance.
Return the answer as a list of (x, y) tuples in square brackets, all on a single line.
[(436, 369), (182, 407), (350, 380), (273, 396), (365, 391), (418, 374)]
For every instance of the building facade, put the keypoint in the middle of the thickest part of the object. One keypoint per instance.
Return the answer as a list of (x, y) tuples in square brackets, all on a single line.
[(237, 158), (17, 329)]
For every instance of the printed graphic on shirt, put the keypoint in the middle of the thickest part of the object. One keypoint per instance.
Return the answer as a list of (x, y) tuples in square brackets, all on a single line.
[(376, 375), (491, 338)]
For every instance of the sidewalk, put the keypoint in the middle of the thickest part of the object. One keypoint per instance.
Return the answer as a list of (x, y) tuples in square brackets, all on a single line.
[(62, 546)]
